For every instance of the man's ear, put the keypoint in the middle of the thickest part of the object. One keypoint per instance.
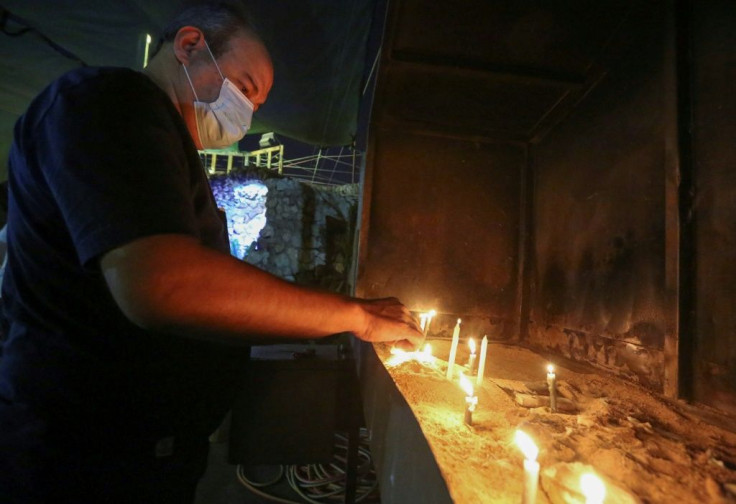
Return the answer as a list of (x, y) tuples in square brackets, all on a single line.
[(187, 40)]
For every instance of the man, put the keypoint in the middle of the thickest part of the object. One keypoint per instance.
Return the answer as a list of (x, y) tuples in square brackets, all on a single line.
[(127, 315)]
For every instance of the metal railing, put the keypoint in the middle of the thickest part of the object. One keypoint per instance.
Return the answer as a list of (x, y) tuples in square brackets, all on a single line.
[(268, 157), (328, 166)]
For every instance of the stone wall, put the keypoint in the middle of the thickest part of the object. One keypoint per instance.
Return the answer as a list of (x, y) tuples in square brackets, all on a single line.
[(307, 230)]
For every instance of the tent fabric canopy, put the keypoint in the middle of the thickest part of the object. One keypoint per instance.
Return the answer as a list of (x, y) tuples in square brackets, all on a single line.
[(318, 49)]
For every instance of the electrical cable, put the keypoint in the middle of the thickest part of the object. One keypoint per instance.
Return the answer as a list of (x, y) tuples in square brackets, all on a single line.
[(4, 17), (26, 27), (265, 483), (254, 489), (320, 483)]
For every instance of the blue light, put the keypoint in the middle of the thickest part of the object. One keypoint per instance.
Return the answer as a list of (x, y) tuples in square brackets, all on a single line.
[(244, 202)]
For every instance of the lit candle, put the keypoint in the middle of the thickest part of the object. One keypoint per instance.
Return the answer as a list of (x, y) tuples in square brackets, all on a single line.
[(593, 488), (551, 378), (482, 361), (470, 398), (471, 358), (430, 316), (399, 356), (531, 466), (425, 319), (453, 350)]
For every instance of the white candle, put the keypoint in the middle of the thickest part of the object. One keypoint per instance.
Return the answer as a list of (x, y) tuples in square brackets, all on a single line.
[(593, 488), (453, 350), (430, 315), (471, 400), (472, 356), (482, 361), (531, 467), (427, 353), (531, 478), (551, 379)]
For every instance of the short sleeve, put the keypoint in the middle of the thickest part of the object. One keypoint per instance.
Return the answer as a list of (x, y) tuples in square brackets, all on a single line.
[(112, 151)]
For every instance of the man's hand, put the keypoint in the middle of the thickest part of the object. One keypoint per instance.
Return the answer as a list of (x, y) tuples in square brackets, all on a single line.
[(390, 321)]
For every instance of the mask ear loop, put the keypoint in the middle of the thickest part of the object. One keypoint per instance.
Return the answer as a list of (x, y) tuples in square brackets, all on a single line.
[(216, 66), (190, 81), (214, 60)]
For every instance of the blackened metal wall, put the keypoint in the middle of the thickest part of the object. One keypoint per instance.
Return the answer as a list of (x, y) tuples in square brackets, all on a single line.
[(443, 227), (564, 170), (599, 256), (714, 212), (463, 87)]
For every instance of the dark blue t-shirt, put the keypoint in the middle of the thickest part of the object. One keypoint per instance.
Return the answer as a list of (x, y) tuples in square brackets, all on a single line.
[(101, 158)]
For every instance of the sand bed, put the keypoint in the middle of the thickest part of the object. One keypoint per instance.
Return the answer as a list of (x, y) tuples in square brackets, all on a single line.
[(646, 449)]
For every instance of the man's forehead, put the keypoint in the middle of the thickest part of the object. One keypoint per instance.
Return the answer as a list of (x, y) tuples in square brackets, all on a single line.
[(247, 50)]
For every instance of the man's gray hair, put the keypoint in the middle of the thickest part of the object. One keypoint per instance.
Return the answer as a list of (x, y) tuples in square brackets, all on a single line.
[(218, 21)]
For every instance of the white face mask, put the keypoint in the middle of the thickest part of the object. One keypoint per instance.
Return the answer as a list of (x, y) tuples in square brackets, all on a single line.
[(224, 121)]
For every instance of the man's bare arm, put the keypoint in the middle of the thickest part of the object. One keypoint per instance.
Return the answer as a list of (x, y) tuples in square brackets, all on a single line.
[(173, 284)]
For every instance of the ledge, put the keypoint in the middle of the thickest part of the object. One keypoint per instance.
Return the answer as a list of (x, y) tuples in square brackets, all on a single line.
[(405, 465), (644, 447)]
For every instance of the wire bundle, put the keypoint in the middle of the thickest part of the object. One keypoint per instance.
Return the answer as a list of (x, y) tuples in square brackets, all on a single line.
[(320, 483)]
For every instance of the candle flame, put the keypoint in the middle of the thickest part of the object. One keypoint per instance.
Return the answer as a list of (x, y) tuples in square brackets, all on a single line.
[(593, 488), (466, 385), (471, 344), (550, 368), (399, 356), (526, 444)]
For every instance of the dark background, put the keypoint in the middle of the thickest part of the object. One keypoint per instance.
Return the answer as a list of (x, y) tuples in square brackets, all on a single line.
[(561, 175), (323, 52)]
